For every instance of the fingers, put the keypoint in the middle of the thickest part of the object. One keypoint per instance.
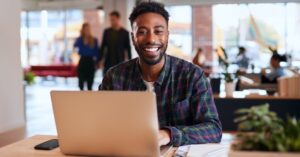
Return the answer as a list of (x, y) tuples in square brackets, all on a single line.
[(163, 138), (162, 141)]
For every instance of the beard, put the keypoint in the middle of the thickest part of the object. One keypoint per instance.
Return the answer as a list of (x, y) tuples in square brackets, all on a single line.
[(151, 61)]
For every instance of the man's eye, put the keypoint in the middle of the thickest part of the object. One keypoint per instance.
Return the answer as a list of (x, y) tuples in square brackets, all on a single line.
[(141, 32), (159, 32)]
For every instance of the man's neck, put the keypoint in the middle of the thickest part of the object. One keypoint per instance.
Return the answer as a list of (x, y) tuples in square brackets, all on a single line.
[(116, 27), (150, 73), (276, 67)]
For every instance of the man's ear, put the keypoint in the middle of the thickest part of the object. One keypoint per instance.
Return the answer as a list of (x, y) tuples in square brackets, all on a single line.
[(168, 34)]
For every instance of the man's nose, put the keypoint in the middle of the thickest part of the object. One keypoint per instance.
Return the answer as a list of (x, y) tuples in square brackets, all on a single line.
[(151, 37)]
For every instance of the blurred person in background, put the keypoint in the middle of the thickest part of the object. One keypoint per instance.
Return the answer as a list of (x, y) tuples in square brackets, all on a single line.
[(276, 70), (199, 58), (87, 48), (115, 47), (242, 59)]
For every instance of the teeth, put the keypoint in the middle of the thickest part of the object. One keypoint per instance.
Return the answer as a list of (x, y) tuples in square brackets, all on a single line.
[(151, 49)]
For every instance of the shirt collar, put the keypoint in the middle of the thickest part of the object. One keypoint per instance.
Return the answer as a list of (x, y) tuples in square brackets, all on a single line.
[(164, 71), (163, 74)]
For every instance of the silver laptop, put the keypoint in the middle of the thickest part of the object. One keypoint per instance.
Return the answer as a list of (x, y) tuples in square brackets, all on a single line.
[(106, 123)]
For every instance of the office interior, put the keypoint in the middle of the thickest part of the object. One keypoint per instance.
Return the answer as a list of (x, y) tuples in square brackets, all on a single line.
[(37, 34)]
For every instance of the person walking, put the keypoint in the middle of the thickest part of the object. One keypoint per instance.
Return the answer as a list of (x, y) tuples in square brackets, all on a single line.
[(115, 47), (87, 47)]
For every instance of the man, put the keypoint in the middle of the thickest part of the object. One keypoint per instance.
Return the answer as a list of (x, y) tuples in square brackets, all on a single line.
[(242, 59), (276, 70), (115, 47), (186, 110)]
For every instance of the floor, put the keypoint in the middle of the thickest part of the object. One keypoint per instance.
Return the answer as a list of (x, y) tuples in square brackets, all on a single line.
[(39, 114)]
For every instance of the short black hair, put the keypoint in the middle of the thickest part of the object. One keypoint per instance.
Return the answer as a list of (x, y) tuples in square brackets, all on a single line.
[(276, 57), (115, 13), (149, 7), (241, 48)]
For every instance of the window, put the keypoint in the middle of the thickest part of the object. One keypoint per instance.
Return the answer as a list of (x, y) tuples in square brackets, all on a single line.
[(47, 36), (257, 27), (180, 38)]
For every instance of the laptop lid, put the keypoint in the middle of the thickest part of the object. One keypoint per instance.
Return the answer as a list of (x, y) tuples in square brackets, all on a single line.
[(106, 123)]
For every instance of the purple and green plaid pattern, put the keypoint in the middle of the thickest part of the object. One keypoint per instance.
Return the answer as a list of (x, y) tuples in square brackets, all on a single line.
[(184, 99)]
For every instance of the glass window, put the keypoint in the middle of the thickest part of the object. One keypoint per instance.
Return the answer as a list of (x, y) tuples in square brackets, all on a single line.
[(293, 31), (257, 27), (180, 38), (47, 37)]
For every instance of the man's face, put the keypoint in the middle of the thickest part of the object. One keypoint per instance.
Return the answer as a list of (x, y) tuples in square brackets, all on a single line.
[(274, 63), (114, 20), (150, 37), (87, 30)]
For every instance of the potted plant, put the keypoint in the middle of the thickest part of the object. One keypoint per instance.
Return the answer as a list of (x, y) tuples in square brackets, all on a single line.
[(228, 77), (262, 134), (29, 77), (229, 85)]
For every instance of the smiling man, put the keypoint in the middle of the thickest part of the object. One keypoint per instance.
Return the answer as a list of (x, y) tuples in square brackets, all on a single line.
[(186, 110)]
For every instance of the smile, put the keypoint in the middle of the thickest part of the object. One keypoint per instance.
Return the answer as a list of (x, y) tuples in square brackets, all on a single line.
[(153, 49)]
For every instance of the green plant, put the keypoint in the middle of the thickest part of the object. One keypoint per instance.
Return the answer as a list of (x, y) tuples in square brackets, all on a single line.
[(291, 135), (228, 76), (223, 61), (29, 77), (261, 129)]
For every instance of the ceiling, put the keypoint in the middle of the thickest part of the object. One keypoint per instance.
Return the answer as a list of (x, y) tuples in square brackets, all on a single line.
[(204, 2), (60, 4), (93, 4)]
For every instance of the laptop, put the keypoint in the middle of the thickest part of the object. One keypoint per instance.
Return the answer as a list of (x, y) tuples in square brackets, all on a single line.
[(106, 123)]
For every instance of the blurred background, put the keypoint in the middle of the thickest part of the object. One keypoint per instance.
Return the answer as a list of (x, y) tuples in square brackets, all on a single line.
[(40, 55)]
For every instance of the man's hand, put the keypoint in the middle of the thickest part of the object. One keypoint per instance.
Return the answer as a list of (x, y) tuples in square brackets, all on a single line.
[(164, 137), (101, 64)]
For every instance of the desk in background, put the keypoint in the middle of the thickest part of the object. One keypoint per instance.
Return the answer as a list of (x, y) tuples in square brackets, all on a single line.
[(227, 106)]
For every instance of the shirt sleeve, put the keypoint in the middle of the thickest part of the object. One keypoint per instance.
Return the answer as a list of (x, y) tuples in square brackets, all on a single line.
[(273, 74), (107, 81), (207, 128), (103, 46), (96, 53), (76, 43), (128, 47)]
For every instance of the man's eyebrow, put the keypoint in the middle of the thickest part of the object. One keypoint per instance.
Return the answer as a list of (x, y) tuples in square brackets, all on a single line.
[(156, 27), (159, 26), (142, 27)]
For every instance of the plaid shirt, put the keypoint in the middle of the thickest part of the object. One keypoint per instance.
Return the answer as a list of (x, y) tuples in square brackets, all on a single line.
[(184, 99)]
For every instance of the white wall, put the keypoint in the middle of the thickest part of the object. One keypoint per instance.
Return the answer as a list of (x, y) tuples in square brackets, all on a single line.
[(124, 7), (11, 89)]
